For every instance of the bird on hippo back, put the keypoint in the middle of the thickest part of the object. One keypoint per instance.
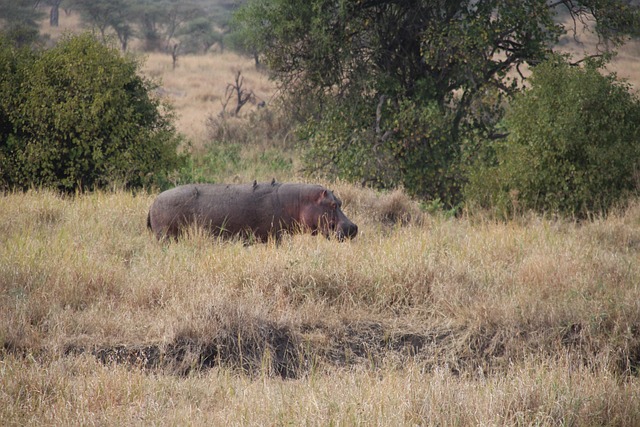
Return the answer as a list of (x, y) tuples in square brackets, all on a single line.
[(252, 211)]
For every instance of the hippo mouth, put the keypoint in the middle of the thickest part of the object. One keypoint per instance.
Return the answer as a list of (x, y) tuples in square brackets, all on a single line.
[(348, 232)]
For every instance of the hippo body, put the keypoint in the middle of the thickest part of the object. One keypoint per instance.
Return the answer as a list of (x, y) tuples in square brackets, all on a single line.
[(257, 211)]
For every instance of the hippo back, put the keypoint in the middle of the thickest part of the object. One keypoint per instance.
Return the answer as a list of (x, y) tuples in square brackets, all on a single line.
[(222, 209)]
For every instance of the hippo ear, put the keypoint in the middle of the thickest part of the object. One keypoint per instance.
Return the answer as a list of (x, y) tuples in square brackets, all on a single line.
[(321, 196)]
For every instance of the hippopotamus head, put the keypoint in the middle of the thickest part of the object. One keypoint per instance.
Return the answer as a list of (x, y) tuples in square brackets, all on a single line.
[(323, 214)]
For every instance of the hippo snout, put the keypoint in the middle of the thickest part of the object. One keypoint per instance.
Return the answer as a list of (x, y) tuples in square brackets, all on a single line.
[(347, 230), (352, 230)]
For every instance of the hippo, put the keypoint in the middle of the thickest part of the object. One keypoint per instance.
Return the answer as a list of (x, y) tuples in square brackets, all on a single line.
[(255, 211)]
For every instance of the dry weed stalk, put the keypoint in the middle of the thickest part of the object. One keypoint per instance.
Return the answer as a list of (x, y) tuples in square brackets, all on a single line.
[(241, 94)]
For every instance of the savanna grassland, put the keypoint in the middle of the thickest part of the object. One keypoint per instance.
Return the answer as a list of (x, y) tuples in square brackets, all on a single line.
[(423, 319), (445, 321)]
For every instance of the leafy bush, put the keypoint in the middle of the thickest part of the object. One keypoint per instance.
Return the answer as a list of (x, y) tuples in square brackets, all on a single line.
[(573, 147), (80, 117), (410, 144), (338, 145), (224, 161), (242, 149)]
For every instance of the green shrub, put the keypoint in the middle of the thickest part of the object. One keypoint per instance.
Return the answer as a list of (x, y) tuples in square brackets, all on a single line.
[(573, 145), (405, 144), (339, 144), (80, 117), (221, 161)]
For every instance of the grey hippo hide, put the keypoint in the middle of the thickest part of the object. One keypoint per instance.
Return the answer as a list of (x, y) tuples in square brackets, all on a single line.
[(253, 212)]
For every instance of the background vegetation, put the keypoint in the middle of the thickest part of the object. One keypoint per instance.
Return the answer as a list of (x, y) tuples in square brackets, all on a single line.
[(572, 146), (412, 93), (423, 319), (417, 95), (78, 116)]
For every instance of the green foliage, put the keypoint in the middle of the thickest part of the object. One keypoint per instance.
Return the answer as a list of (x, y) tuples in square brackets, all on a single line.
[(413, 148), (81, 118), (19, 21), (339, 146), (116, 15), (199, 35), (243, 150), (429, 153), (222, 160), (573, 148), (435, 62), (218, 160)]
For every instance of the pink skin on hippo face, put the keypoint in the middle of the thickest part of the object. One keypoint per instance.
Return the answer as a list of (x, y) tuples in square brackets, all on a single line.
[(257, 211), (324, 215)]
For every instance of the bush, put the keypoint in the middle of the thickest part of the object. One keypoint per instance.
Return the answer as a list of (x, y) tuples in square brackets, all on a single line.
[(343, 144), (404, 144), (80, 117), (573, 145)]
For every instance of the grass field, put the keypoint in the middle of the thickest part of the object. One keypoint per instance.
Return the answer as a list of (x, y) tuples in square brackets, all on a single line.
[(438, 321), (423, 319), (197, 86)]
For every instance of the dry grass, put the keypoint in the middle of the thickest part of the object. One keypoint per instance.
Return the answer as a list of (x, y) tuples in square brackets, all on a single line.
[(197, 86), (422, 320), (439, 321), (78, 390)]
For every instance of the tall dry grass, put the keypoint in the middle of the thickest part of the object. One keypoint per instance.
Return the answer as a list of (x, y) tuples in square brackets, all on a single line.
[(80, 391), (198, 84), (438, 321)]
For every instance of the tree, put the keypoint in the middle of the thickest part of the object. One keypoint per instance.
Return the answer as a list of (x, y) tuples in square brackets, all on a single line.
[(54, 11), (149, 18), (19, 21), (104, 15), (371, 77), (199, 35), (79, 116), (19, 11), (573, 146), (163, 20)]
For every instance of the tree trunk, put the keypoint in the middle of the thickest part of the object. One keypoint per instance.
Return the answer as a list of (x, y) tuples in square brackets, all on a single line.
[(54, 14), (174, 54)]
